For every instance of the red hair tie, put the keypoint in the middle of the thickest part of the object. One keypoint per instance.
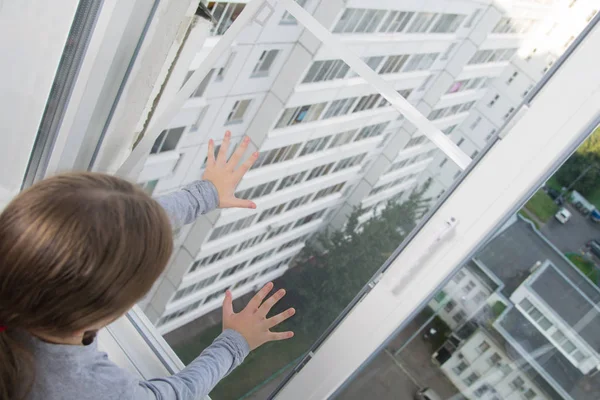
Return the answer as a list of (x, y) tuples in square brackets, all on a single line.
[(2, 328)]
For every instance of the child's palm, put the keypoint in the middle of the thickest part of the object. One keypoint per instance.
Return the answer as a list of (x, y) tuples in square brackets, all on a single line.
[(252, 321), (223, 173)]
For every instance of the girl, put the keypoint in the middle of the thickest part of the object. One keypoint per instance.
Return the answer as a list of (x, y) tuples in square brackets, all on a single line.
[(76, 252)]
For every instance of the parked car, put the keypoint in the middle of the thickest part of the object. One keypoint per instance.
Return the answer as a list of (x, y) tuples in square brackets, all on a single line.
[(553, 193), (563, 215), (427, 394), (595, 216), (594, 247)]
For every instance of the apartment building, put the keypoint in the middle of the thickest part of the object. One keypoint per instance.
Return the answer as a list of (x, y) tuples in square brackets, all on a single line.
[(482, 369), (468, 292), (498, 83), (328, 141)]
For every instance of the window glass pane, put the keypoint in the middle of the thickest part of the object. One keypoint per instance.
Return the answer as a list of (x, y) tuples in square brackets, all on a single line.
[(539, 323), (329, 144)]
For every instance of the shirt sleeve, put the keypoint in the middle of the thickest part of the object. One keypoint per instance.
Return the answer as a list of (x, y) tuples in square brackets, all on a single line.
[(187, 204), (196, 380)]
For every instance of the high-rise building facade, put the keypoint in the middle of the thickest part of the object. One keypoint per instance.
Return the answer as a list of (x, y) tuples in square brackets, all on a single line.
[(329, 142)]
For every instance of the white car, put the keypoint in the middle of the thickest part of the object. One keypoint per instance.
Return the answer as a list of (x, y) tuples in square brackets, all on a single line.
[(563, 215)]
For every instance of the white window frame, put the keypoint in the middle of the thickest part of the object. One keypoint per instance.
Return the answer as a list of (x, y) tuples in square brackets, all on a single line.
[(259, 71), (417, 271), (233, 117)]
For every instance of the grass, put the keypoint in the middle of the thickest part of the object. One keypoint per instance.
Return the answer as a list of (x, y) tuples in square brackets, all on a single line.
[(498, 308), (542, 206), (553, 183), (585, 266), (594, 197)]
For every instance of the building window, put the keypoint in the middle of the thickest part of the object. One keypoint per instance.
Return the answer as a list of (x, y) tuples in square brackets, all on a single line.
[(359, 20), (224, 14), (291, 180), (460, 317), (475, 123), (232, 270), (459, 276), (314, 145), (483, 347), (494, 359), (415, 141), (298, 115), (319, 171), (448, 23), (271, 212), (393, 64), (298, 202), (339, 107), (396, 21), (371, 131), (236, 115), (231, 227), (223, 70), (255, 192), (517, 383), (326, 70), (529, 394), (494, 100), (420, 62), (199, 92), (460, 141), (444, 161), (194, 288), (421, 22), (342, 138), (471, 379), (450, 306), (196, 125), (264, 63), (460, 368), (167, 140), (508, 113), (512, 78), (277, 155)]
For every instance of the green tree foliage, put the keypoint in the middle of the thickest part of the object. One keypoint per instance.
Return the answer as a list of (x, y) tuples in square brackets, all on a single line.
[(329, 273), (587, 154)]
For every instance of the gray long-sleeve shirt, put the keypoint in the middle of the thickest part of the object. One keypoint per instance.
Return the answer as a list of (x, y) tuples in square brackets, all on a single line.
[(69, 372)]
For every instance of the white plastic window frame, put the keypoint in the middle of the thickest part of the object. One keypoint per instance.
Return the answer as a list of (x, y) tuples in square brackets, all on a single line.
[(541, 136)]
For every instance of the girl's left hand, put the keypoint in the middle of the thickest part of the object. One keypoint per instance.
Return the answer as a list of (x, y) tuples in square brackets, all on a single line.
[(223, 173)]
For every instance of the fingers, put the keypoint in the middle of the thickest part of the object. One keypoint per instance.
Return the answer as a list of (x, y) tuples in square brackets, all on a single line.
[(259, 297), (271, 301), (222, 156), (280, 335), (239, 203), (210, 157), (239, 152), (279, 318), (228, 304), (241, 171)]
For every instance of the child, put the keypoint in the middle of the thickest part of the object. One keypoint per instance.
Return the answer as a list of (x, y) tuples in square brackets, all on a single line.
[(76, 252)]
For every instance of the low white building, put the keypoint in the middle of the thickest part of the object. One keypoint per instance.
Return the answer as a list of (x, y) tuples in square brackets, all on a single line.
[(481, 369)]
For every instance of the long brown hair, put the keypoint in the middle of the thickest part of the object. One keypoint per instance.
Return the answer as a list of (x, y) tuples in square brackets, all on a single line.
[(75, 249)]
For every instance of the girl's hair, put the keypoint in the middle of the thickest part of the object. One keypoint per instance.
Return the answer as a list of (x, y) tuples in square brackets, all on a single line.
[(75, 249)]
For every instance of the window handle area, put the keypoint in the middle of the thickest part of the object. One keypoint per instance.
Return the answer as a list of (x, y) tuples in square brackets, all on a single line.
[(446, 231)]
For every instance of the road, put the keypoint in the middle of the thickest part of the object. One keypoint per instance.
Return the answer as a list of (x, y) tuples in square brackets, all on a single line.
[(389, 377), (573, 235)]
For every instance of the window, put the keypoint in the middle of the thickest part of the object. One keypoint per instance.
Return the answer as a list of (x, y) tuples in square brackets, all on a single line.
[(194, 288), (358, 20), (326, 70), (264, 63), (339, 107), (508, 113), (271, 212), (494, 359), (255, 192), (420, 62), (471, 379), (236, 115), (448, 23), (297, 202), (232, 270), (415, 141), (315, 145), (518, 382), (395, 21), (512, 78), (298, 115), (459, 276), (167, 140), (529, 394), (319, 171), (212, 258), (448, 51), (460, 368), (494, 100), (449, 306), (199, 92), (421, 22), (231, 227), (277, 155), (483, 347), (342, 138), (349, 162), (475, 123), (224, 14), (223, 70), (371, 131), (460, 317), (291, 180), (393, 64)]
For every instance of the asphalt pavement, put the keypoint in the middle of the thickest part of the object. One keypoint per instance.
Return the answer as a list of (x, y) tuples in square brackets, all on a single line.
[(572, 236)]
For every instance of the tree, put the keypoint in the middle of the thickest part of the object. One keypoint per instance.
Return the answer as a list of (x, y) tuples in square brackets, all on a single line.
[(587, 154)]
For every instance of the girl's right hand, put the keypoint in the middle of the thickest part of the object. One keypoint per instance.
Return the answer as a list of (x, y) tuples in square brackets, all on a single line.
[(252, 322)]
